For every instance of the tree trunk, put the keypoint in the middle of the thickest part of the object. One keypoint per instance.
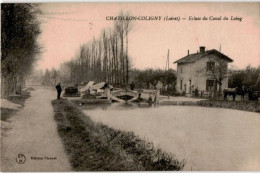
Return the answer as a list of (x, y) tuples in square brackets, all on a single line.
[(122, 58), (127, 69), (220, 89)]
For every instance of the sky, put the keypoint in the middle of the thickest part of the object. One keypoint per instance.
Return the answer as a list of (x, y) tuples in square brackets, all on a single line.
[(66, 26)]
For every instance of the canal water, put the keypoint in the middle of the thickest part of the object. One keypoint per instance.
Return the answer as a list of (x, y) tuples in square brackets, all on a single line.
[(209, 139)]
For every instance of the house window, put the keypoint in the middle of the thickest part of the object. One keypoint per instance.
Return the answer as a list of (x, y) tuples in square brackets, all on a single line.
[(210, 66), (209, 85), (181, 85), (181, 69)]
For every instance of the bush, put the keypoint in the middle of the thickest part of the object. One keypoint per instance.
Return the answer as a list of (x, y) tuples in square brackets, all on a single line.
[(240, 105)]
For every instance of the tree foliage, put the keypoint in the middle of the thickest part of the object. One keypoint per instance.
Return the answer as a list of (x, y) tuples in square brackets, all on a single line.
[(248, 77), (151, 77), (19, 32)]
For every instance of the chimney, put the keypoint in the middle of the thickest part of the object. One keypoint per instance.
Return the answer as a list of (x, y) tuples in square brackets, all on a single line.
[(188, 52), (202, 49)]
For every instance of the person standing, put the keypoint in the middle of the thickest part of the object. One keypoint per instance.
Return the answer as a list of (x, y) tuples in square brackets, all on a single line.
[(59, 90), (132, 85)]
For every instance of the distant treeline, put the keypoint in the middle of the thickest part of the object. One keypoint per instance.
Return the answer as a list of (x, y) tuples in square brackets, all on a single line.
[(163, 79), (155, 79), (147, 79)]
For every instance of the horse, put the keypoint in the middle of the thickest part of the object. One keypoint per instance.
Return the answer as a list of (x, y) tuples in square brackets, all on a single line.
[(234, 92), (229, 91), (252, 95)]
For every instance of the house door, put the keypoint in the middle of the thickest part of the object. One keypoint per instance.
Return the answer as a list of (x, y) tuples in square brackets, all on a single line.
[(189, 86), (209, 85)]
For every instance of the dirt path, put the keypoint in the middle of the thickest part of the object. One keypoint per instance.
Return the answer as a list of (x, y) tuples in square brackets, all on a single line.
[(34, 134)]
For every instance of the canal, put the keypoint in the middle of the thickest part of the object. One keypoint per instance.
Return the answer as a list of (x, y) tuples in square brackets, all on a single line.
[(207, 138)]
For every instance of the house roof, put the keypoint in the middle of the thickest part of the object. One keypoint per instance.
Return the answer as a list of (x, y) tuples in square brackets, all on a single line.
[(193, 57)]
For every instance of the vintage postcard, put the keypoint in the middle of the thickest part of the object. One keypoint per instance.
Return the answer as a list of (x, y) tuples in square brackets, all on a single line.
[(130, 86)]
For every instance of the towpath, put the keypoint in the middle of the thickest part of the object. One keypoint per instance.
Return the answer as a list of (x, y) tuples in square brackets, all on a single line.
[(34, 135)]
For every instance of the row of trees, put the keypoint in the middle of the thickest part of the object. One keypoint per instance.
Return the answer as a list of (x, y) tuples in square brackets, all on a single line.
[(149, 78), (104, 59), (165, 80), (19, 32)]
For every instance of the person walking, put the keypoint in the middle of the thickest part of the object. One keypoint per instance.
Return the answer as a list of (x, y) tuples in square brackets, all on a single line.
[(59, 90)]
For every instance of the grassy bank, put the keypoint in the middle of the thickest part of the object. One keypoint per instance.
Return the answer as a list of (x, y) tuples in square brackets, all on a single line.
[(96, 147), (240, 105), (6, 113)]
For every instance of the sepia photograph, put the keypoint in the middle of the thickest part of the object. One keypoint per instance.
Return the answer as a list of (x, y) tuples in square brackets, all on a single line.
[(130, 86)]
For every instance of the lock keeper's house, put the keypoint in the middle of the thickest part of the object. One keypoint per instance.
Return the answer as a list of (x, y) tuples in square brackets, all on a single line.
[(194, 71)]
